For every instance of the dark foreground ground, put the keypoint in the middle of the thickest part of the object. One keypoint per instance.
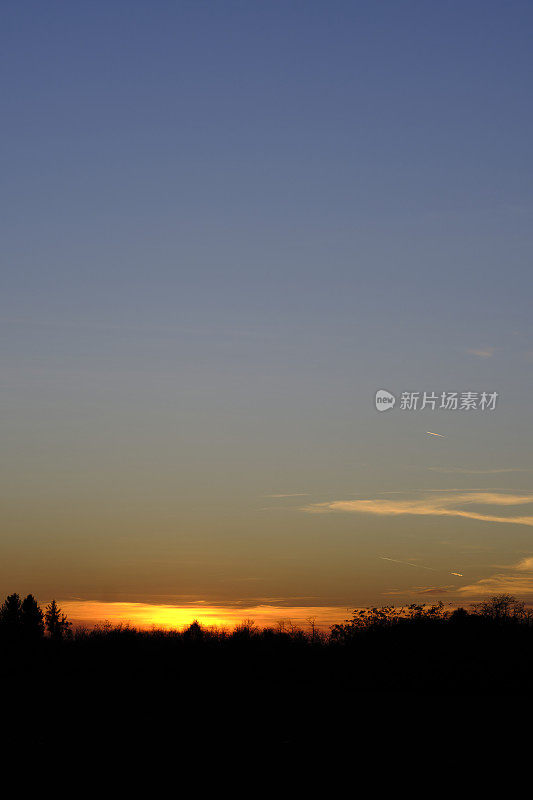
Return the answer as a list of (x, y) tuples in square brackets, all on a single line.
[(123, 691)]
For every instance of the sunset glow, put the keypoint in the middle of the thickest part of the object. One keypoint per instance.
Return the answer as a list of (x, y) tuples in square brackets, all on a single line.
[(145, 616)]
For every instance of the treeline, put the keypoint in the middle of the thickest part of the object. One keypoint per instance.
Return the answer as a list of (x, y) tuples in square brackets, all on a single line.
[(25, 620), (499, 610), (414, 649), (285, 685)]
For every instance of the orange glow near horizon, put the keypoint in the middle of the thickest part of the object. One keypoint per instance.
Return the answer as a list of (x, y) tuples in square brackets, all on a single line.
[(146, 616)]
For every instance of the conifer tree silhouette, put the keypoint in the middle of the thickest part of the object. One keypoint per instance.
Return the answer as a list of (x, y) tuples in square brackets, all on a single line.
[(31, 617), (56, 622), (11, 610), (10, 613)]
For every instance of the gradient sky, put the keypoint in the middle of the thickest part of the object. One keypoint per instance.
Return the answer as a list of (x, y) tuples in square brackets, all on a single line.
[(225, 226)]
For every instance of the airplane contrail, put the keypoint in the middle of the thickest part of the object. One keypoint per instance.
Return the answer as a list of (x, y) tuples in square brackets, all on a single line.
[(435, 434), (409, 564), (420, 566)]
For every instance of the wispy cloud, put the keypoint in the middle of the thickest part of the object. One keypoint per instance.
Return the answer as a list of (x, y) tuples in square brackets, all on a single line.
[(291, 494), (463, 471), (442, 505), (520, 585), (504, 582), (481, 352), (418, 590), (515, 579)]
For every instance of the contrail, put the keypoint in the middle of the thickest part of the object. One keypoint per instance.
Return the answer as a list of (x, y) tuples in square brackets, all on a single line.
[(434, 434), (397, 561), (420, 566)]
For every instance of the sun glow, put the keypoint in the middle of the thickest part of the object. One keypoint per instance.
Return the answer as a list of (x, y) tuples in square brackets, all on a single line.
[(167, 617)]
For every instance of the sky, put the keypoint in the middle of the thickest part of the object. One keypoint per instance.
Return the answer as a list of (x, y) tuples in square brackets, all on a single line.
[(225, 226)]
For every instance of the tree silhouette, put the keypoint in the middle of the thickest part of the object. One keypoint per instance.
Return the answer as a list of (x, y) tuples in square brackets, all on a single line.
[(194, 632), (31, 617), (11, 610), (501, 608), (56, 622), (246, 629), (459, 616)]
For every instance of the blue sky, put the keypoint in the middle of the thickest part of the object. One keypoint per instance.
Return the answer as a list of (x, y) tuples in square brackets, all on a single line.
[(225, 225)]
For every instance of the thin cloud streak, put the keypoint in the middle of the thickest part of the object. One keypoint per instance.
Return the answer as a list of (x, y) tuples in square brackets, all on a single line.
[(503, 582), (485, 352), (521, 585), (291, 494), (461, 471), (441, 506)]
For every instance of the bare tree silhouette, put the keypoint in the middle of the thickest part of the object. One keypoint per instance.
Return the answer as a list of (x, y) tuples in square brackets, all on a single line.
[(501, 608)]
